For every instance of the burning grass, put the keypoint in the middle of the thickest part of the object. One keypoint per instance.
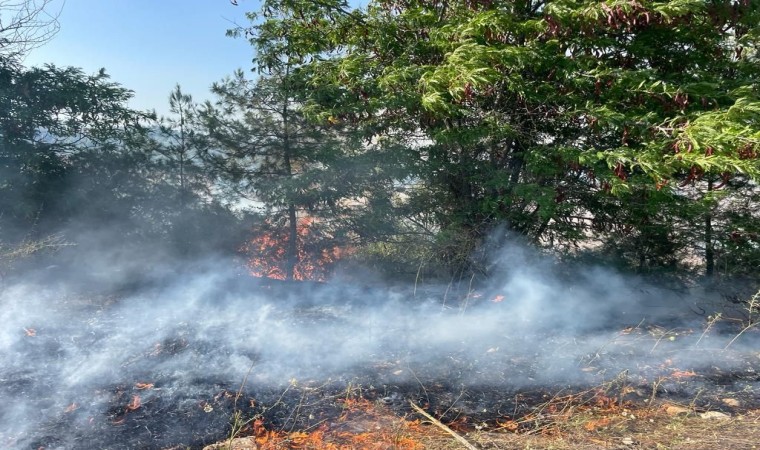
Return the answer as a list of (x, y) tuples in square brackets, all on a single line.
[(361, 424)]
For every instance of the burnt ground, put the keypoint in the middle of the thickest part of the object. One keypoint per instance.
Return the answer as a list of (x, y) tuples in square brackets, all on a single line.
[(98, 371)]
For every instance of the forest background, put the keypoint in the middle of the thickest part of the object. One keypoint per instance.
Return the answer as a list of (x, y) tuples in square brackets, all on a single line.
[(405, 137)]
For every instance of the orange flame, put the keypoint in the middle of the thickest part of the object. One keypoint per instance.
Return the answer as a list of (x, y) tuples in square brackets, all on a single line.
[(316, 252), (135, 403), (400, 436), (683, 373)]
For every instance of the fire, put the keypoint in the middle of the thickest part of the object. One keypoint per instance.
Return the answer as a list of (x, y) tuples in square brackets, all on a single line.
[(135, 403), (316, 252), (375, 431), (677, 373)]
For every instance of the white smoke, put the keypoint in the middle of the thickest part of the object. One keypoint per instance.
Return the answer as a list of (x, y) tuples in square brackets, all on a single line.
[(526, 327)]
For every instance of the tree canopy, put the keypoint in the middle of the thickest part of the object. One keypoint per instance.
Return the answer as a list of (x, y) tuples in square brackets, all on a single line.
[(410, 132), (570, 121)]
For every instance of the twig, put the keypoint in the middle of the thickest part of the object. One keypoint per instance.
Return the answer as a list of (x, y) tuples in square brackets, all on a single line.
[(751, 321), (418, 381), (440, 425), (469, 293), (666, 333), (711, 321), (739, 335)]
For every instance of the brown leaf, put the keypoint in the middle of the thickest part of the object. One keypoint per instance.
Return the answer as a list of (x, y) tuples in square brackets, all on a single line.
[(592, 425)]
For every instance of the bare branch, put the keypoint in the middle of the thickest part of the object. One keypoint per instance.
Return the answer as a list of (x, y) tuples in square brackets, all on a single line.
[(26, 25)]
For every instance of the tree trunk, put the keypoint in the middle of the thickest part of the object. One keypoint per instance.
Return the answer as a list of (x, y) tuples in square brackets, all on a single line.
[(709, 248), (292, 250)]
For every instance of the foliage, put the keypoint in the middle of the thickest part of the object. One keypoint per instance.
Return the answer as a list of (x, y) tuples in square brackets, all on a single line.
[(555, 117), (293, 169), (264, 149), (411, 131), (75, 160), (47, 116)]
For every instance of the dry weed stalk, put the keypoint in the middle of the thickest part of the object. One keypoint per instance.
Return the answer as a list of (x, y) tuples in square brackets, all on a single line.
[(710, 323), (27, 248), (752, 318), (238, 423)]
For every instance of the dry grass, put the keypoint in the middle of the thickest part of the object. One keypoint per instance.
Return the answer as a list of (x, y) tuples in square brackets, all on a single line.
[(639, 430), (666, 427)]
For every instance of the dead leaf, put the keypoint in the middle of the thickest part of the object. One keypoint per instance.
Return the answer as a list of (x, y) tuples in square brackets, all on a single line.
[(509, 425), (31, 332), (71, 407), (143, 386), (592, 425)]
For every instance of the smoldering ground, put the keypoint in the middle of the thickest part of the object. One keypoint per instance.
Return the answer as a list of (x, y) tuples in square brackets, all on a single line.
[(160, 364)]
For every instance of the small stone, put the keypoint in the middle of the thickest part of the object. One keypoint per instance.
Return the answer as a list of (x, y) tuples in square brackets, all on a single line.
[(714, 415), (627, 441), (732, 402), (673, 410), (246, 443)]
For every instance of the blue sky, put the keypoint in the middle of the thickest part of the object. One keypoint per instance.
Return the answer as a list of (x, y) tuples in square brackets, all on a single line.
[(148, 46)]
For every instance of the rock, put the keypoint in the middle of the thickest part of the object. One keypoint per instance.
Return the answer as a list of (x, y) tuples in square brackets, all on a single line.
[(732, 402), (674, 410), (714, 415), (245, 443)]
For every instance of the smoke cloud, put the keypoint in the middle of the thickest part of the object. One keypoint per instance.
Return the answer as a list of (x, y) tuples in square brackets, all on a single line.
[(78, 366)]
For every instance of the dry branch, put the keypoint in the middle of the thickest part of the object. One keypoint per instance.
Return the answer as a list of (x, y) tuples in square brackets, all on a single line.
[(440, 425)]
